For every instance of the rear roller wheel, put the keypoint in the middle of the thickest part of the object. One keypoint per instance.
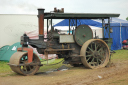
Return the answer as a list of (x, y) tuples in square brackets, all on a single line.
[(22, 58), (95, 53)]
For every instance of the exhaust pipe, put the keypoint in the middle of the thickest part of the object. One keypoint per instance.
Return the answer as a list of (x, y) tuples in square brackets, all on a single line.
[(41, 23)]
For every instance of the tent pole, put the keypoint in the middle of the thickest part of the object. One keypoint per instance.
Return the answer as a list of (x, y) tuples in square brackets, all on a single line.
[(69, 26), (51, 26), (120, 34), (109, 26), (76, 23), (47, 26), (103, 28)]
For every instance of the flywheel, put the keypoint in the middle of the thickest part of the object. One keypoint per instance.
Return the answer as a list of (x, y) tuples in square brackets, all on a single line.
[(95, 53), (82, 34)]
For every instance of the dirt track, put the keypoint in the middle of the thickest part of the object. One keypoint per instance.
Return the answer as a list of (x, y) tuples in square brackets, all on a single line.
[(115, 75)]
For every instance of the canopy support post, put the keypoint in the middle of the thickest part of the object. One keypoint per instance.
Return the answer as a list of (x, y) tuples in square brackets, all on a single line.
[(103, 28), (76, 23), (109, 26), (69, 26), (47, 26), (51, 26)]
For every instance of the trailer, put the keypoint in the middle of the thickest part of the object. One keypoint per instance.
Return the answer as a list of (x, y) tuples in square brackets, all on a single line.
[(77, 47)]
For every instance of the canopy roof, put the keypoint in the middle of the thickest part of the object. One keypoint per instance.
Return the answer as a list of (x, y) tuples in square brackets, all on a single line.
[(78, 16)]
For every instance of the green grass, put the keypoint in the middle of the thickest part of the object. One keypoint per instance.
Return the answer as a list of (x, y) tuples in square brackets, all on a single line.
[(4, 68), (50, 65), (120, 55)]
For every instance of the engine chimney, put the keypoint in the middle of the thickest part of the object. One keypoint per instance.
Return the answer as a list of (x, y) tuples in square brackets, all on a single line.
[(41, 22)]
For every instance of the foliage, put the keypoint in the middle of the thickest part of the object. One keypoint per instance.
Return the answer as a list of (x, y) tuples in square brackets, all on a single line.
[(127, 18)]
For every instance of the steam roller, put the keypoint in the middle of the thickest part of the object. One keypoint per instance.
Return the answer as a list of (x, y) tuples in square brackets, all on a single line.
[(76, 46)]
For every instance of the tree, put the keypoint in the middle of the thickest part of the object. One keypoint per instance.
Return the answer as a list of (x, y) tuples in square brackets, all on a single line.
[(127, 18)]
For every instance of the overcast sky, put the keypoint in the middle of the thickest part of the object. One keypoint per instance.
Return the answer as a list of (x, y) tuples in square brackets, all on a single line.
[(80, 6)]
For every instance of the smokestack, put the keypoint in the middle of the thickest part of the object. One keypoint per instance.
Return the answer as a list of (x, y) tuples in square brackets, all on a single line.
[(41, 22)]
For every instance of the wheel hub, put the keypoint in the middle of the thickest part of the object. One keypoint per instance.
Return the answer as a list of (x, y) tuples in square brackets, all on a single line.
[(96, 54)]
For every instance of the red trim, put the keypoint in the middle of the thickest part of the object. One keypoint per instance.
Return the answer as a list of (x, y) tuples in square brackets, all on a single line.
[(30, 53)]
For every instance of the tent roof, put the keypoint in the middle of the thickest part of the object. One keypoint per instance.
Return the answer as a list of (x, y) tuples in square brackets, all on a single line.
[(115, 22)]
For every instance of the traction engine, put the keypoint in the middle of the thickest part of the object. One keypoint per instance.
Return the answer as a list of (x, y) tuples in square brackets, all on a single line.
[(78, 47)]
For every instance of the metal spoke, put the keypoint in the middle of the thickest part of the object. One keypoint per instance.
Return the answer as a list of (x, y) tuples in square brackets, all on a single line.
[(88, 55), (89, 58), (26, 70), (92, 59), (87, 52), (100, 56), (103, 57), (101, 53), (92, 62), (95, 46), (90, 49), (99, 49), (100, 60), (29, 67)]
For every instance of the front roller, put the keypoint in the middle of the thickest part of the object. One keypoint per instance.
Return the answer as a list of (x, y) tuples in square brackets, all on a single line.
[(19, 63), (95, 53)]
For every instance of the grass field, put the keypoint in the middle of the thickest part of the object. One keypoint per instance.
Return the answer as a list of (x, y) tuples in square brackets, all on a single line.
[(4, 68), (51, 65), (119, 55)]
